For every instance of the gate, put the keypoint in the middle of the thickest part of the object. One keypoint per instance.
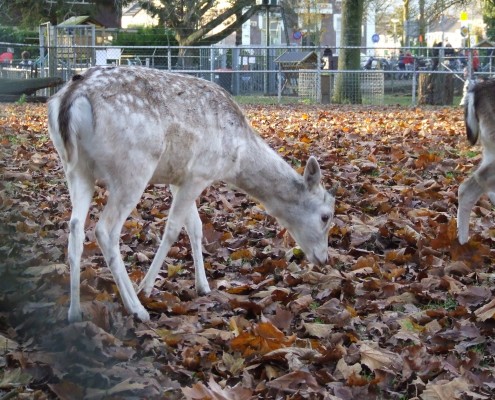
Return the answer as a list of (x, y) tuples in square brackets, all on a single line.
[(66, 49)]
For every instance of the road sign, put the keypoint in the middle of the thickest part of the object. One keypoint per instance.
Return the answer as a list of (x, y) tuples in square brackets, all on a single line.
[(375, 38)]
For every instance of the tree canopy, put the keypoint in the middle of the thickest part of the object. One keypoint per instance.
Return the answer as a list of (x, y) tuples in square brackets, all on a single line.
[(489, 18), (201, 22), (31, 13)]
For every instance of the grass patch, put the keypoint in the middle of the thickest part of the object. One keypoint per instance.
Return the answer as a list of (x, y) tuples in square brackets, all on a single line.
[(268, 100), (471, 153)]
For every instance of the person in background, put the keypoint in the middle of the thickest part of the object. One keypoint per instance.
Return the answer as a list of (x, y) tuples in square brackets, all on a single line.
[(7, 56), (401, 65), (25, 63), (449, 51), (409, 61), (476, 61), (327, 58)]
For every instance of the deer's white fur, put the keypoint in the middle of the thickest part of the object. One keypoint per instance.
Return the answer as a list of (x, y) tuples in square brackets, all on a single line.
[(130, 126), (480, 126)]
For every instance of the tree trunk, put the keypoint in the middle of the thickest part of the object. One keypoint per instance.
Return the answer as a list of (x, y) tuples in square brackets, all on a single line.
[(422, 24), (436, 89), (347, 86), (405, 21)]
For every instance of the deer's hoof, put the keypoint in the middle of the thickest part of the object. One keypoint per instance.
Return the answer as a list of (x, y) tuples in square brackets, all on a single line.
[(75, 315), (142, 314)]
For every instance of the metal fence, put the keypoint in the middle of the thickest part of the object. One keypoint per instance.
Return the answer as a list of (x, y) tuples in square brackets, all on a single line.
[(263, 74)]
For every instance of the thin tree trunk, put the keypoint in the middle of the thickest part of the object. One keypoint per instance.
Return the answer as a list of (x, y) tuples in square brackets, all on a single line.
[(422, 23), (347, 86), (405, 21)]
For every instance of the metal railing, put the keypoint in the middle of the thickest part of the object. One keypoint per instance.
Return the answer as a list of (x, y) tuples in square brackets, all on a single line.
[(265, 74)]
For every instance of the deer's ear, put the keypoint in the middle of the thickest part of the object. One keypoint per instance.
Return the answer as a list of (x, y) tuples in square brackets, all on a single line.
[(312, 173)]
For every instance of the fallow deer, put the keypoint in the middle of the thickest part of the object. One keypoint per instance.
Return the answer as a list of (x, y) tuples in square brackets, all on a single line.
[(130, 126), (479, 114)]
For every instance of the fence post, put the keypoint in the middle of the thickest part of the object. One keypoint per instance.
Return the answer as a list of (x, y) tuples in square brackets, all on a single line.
[(236, 68), (52, 51), (279, 85), (42, 53), (212, 64), (469, 66), (414, 84), (318, 76)]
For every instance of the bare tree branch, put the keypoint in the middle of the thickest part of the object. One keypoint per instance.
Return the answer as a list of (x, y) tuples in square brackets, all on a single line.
[(193, 21)]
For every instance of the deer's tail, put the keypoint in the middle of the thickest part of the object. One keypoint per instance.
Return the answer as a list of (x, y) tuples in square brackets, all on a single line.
[(70, 114), (470, 117)]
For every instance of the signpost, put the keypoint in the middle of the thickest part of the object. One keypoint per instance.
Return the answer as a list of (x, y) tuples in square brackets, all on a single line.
[(465, 27)]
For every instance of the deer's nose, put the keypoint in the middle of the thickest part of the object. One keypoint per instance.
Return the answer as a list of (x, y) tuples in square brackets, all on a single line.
[(319, 260)]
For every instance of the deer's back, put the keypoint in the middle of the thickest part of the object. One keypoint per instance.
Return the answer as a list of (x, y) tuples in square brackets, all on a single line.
[(187, 123)]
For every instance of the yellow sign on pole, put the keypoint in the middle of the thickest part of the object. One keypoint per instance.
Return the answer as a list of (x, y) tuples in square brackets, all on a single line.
[(464, 16)]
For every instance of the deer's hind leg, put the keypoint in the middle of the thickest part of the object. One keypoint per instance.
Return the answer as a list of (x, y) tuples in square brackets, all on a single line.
[(81, 189), (482, 181), (123, 196)]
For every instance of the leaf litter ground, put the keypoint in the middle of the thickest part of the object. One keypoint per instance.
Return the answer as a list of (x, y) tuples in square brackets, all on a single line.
[(403, 312)]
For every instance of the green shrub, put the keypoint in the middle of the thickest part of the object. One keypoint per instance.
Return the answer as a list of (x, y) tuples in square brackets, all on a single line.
[(144, 37)]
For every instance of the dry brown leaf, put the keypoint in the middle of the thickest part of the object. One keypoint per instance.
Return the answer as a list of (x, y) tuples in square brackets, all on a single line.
[(486, 312), (345, 370), (321, 331), (377, 358), (445, 390)]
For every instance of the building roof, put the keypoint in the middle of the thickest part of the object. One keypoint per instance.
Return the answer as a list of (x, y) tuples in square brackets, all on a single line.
[(445, 24), (297, 57), (485, 43), (132, 10), (80, 20)]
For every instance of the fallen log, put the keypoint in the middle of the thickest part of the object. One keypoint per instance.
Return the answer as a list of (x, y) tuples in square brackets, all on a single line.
[(27, 86), (13, 98)]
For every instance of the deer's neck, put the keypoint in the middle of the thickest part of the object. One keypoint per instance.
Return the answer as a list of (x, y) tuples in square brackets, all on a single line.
[(264, 175)]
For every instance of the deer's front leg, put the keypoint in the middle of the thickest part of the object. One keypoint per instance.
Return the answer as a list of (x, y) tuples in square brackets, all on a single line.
[(469, 193), (183, 212), (194, 228)]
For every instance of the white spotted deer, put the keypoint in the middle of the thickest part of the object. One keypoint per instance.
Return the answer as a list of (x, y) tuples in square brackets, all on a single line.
[(480, 125), (130, 126)]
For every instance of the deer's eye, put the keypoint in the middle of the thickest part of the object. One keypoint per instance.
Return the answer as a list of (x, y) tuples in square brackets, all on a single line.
[(325, 218)]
